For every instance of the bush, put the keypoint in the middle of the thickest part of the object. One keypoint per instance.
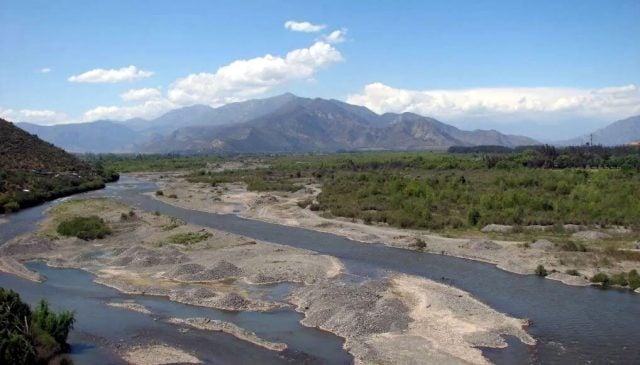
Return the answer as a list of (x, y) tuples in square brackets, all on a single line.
[(541, 271), (601, 278), (634, 280), (619, 279), (11, 206), (572, 246), (57, 325), (189, 238), (86, 228), (420, 243), (28, 337), (172, 196), (159, 193), (573, 272), (473, 217)]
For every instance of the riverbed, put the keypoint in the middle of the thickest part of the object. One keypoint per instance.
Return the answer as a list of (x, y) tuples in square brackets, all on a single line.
[(571, 324)]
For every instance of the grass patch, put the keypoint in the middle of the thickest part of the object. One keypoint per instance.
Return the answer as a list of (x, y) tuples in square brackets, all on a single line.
[(189, 238), (86, 228)]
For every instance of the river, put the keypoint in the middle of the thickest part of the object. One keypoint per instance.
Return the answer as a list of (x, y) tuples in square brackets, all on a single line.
[(571, 324)]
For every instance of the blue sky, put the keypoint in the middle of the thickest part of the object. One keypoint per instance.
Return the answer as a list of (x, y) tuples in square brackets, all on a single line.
[(510, 65)]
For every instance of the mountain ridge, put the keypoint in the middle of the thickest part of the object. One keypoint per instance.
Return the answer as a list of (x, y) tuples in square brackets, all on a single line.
[(282, 123)]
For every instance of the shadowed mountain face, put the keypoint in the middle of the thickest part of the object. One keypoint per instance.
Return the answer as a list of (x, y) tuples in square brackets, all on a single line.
[(284, 123), (622, 132)]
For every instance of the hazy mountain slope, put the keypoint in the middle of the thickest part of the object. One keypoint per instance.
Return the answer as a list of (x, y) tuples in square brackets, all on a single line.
[(204, 115), (98, 136), (617, 133), (327, 125)]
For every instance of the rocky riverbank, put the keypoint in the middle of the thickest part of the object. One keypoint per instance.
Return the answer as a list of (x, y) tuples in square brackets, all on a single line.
[(537, 245)]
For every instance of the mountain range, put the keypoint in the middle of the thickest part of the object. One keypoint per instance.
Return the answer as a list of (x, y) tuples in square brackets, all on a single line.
[(288, 123), (626, 131), (284, 123)]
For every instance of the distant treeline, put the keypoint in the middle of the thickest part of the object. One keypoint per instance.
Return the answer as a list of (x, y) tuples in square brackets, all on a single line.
[(546, 156)]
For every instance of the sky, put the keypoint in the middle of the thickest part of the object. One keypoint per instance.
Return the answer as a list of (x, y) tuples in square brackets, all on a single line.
[(546, 69)]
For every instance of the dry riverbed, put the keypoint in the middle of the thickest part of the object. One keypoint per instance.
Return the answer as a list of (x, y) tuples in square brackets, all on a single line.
[(399, 319), (515, 252)]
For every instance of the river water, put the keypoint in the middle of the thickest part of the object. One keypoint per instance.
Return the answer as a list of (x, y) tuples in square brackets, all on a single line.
[(572, 324)]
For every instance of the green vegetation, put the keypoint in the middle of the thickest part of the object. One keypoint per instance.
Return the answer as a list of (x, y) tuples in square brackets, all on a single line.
[(33, 171), (630, 279), (444, 191), (159, 193), (573, 272), (541, 271), (137, 162), (600, 278), (30, 337), (189, 238), (86, 228)]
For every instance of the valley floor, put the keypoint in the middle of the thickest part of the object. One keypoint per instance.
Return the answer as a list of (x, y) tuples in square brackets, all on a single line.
[(515, 252), (394, 319)]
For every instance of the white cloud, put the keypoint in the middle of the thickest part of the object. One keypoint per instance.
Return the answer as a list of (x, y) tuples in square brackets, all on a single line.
[(337, 36), (149, 109), (242, 79), (503, 104), (100, 75), (305, 27), (44, 117), (44, 70), (141, 94)]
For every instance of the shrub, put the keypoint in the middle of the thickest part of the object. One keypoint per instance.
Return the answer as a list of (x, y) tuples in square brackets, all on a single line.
[(420, 243), (11, 206), (541, 271), (619, 279), (159, 193), (601, 278), (473, 217), (172, 196), (573, 272), (572, 246), (189, 238), (28, 337), (634, 280), (86, 228), (57, 325)]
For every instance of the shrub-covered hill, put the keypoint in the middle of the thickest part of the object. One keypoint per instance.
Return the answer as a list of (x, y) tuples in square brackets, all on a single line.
[(33, 171)]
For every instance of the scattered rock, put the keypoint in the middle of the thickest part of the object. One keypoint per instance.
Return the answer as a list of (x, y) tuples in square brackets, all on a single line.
[(31, 244), (636, 245), (543, 244), (573, 227), (538, 227), (590, 236), (483, 244), (569, 279), (499, 228), (619, 230)]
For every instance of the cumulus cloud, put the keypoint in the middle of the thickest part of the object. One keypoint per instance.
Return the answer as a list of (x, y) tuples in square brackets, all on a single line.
[(141, 94), (337, 36), (100, 75), (44, 70), (44, 117), (149, 109), (305, 27), (242, 79), (502, 104)]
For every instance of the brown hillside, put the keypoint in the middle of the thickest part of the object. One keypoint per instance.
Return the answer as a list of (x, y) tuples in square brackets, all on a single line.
[(20, 150)]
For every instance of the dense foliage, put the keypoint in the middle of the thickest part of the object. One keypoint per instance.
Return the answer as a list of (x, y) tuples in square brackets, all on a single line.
[(33, 171), (28, 337), (435, 191), (86, 228), (138, 162)]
